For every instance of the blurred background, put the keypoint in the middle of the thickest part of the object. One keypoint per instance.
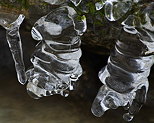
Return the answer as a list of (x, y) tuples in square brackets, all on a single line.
[(17, 107)]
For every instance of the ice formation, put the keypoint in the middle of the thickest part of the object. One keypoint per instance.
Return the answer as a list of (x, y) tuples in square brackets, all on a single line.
[(56, 66), (125, 77), (76, 2), (55, 61), (12, 25), (114, 9), (55, 2), (59, 2)]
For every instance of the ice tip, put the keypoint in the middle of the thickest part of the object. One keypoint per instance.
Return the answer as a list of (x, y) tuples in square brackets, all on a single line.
[(32, 95), (128, 117), (22, 78), (23, 82), (97, 110)]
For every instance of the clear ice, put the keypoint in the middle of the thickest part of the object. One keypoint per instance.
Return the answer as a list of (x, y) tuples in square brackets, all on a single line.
[(76, 2), (59, 2), (12, 24), (56, 66), (55, 61), (55, 2), (114, 9), (125, 77)]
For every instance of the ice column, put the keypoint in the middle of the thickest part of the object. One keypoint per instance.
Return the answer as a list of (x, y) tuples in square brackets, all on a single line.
[(55, 61), (125, 77)]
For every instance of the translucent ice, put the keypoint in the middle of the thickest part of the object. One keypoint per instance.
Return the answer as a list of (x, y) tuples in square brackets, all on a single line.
[(99, 5), (125, 77), (55, 2), (12, 24), (55, 61), (58, 2), (115, 9), (76, 2)]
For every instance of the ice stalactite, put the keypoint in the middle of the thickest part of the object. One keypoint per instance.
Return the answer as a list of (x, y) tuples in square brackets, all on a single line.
[(55, 61), (125, 77), (12, 26)]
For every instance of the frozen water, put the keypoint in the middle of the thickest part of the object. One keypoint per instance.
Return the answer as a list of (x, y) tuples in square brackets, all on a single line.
[(55, 2), (12, 24), (125, 77), (99, 5), (114, 10), (55, 61), (58, 2), (76, 2)]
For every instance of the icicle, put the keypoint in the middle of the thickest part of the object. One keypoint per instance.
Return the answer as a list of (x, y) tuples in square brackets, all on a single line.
[(55, 61), (14, 41), (125, 77)]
